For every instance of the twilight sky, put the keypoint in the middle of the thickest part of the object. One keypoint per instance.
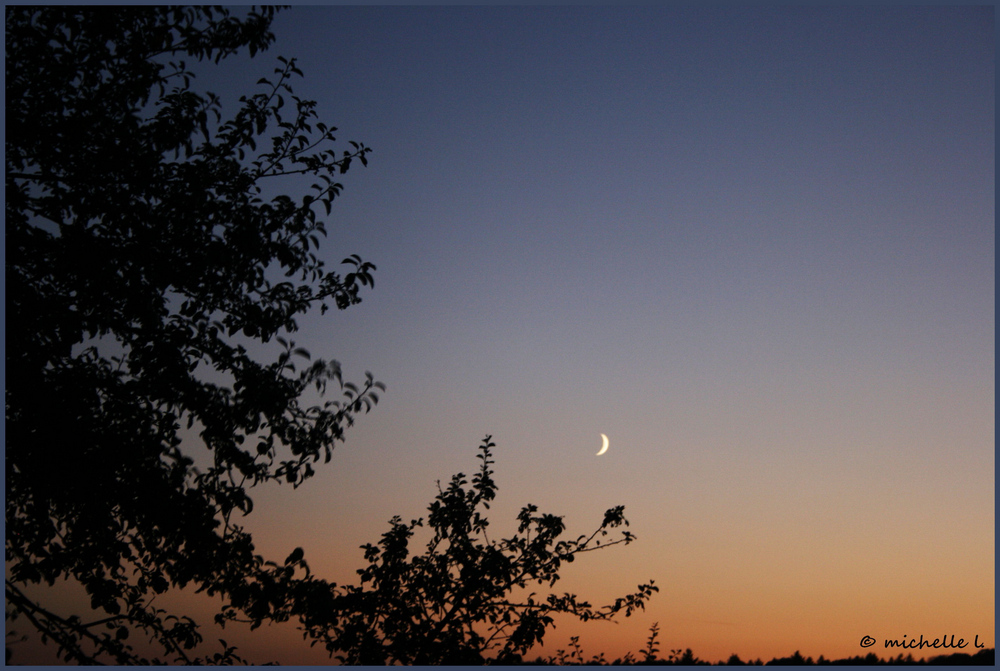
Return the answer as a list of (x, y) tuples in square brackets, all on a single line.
[(754, 246)]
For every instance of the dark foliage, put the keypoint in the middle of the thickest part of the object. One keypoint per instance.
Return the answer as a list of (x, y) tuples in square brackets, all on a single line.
[(647, 657), (145, 271), (466, 598), (142, 262)]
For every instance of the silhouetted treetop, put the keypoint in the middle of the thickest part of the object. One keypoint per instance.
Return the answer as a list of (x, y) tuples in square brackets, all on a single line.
[(143, 264), (146, 270), (467, 598)]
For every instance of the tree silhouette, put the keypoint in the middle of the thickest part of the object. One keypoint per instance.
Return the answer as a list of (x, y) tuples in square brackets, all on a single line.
[(145, 272), (464, 600), (143, 265)]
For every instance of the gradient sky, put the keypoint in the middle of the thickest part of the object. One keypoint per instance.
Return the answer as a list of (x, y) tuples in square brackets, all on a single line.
[(754, 246)]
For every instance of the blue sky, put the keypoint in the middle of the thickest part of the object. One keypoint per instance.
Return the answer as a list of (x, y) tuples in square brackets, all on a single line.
[(754, 246)]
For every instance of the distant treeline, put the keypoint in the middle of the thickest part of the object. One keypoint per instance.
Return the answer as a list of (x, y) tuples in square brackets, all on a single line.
[(983, 657)]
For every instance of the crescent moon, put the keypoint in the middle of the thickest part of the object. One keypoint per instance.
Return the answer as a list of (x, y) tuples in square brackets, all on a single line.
[(604, 448)]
